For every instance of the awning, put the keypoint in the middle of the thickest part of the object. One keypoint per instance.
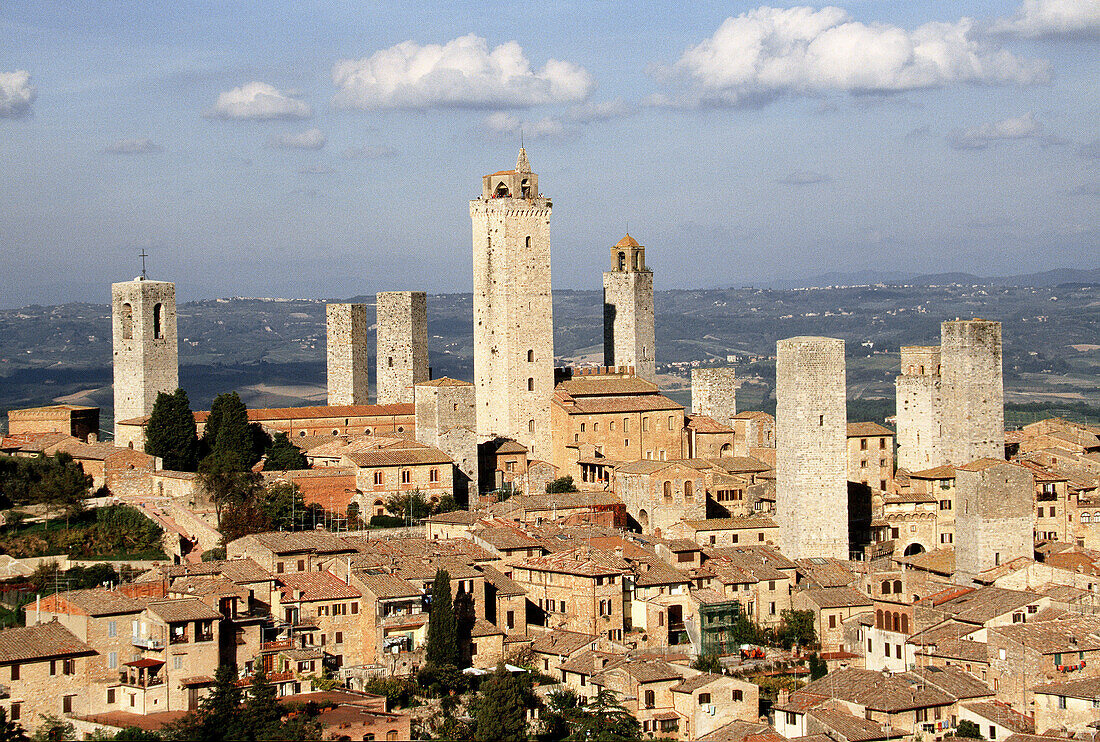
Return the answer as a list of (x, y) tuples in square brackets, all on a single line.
[(145, 662)]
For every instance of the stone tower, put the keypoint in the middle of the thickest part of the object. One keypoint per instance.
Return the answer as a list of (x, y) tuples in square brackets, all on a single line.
[(348, 364), (402, 346), (446, 419), (973, 391), (811, 488), (994, 516), (146, 355), (714, 394), (918, 408), (513, 309), (628, 335)]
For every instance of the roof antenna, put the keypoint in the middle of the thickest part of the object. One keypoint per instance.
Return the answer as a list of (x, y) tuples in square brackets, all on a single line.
[(143, 255), (521, 136)]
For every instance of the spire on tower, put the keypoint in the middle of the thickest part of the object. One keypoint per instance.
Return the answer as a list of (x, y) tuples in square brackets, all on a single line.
[(522, 165)]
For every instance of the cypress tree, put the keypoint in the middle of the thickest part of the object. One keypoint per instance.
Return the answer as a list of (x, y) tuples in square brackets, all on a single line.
[(228, 434), (284, 455), (442, 636), (170, 432), (261, 711), (501, 712)]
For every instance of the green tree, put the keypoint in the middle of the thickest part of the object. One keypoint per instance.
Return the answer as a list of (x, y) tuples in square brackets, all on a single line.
[(968, 729), (818, 667), (562, 708), (219, 714), (284, 455), (226, 486), (283, 506), (797, 627), (561, 484), (409, 505), (708, 662), (501, 708), (604, 719), (465, 617), (11, 731), (170, 432), (61, 485), (228, 435), (442, 643), (54, 729), (263, 717)]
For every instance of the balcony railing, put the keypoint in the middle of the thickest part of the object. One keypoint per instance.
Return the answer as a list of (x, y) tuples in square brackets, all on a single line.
[(124, 679), (147, 642), (277, 645)]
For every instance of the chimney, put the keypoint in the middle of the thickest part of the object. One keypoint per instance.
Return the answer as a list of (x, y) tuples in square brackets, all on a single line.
[(783, 697)]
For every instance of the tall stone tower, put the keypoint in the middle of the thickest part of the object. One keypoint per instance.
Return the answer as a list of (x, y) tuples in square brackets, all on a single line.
[(994, 516), (973, 391), (348, 364), (811, 487), (628, 334), (446, 419), (146, 354), (513, 309), (714, 394), (402, 346), (919, 407)]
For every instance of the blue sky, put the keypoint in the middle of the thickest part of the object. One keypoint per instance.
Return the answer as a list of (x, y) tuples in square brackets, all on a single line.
[(329, 150)]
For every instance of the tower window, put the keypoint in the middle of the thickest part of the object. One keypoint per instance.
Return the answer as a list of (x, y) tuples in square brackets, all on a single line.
[(389, 361), (158, 324), (530, 426), (820, 421), (530, 356), (528, 241), (127, 321), (622, 261), (530, 384)]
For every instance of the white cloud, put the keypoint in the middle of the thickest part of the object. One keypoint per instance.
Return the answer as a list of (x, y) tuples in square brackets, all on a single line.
[(308, 139), (768, 52), (804, 177), (259, 101), (1053, 18), (140, 146), (464, 72), (980, 137), (368, 152), (16, 94), (506, 123)]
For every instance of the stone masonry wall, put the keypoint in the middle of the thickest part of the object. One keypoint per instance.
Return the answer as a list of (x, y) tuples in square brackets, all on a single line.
[(628, 321), (402, 345), (994, 518), (919, 408), (973, 391), (446, 418), (811, 448), (348, 364), (714, 393), (146, 360), (513, 320)]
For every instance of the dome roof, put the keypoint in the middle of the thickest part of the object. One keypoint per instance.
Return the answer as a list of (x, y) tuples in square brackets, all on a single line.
[(627, 241)]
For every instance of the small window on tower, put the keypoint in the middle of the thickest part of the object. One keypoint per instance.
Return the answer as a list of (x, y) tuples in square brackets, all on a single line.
[(530, 426), (530, 384), (158, 324), (820, 421), (127, 322), (622, 261), (528, 242), (389, 361), (530, 356)]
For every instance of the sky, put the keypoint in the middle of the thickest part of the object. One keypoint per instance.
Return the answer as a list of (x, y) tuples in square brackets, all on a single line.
[(330, 149)]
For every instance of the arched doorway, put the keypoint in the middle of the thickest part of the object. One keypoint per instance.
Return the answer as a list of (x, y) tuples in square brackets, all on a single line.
[(913, 549), (643, 520)]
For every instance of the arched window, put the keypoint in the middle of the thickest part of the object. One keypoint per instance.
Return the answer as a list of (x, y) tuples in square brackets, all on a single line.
[(897, 587), (502, 190), (530, 356), (530, 426), (643, 520), (725, 451), (922, 369), (525, 188), (433, 475), (738, 695), (688, 494), (878, 619), (897, 622), (389, 361), (127, 321), (1085, 518), (668, 490), (378, 479), (904, 623), (530, 383), (528, 242), (406, 476), (622, 261), (158, 321), (885, 587)]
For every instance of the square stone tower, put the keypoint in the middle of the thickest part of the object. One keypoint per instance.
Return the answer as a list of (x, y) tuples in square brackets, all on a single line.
[(919, 407), (446, 418), (348, 360), (714, 394), (628, 334), (513, 309), (401, 352), (973, 391), (146, 354), (994, 516), (811, 420)]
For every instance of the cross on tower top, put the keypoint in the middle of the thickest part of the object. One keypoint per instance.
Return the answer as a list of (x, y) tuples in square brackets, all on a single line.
[(143, 255)]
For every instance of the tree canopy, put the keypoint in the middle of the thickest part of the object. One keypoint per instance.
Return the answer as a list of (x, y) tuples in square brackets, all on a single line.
[(501, 708), (442, 643), (284, 455), (561, 484), (170, 432)]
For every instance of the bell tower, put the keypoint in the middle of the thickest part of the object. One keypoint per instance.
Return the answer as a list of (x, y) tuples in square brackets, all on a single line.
[(513, 309), (628, 330)]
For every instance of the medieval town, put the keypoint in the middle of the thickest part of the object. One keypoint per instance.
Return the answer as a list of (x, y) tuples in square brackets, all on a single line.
[(543, 550)]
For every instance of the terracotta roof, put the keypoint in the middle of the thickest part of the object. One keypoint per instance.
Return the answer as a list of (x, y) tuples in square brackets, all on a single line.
[(289, 542), (740, 464), (505, 445), (399, 457), (867, 429), (694, 683), (1002, 715), (97, 601), (506, 538), (1076, 633), (820, 572), (482, 627), (317, 586), (627, 241), (601, 385), (646, 671), (731, 524), (322, 412), (504, 584), (457, 517), (752, 415), (849, 727), (562, 642), (980, 605), (939, 472), (579, 561), (387, 586), (954, 681), (1087, 688), (837, 597), (207, 585), (940, 561), (241, 571), (705, 424), (640, 403), (41, 641), (183, 609), (879, 691)]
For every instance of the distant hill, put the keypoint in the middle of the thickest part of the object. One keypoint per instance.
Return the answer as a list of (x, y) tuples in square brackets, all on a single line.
[(1045, 279)]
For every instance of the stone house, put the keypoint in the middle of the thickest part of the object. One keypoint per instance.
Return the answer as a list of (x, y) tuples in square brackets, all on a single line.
[(287, 552), (759, 579), (385, 597), (754, 432), (831, 607), (327, 610), (486, 645), (644, 688), (659, 494), (1070, 705), (871, 455), (743, 531), (657, 602), (505, 601), (579, 590), (911, 517), (706, 438), (706, 702), (552, 649), (1025, 654), (995, 719), (75, 420), (938, 485), (399, 466), (44, 670)]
